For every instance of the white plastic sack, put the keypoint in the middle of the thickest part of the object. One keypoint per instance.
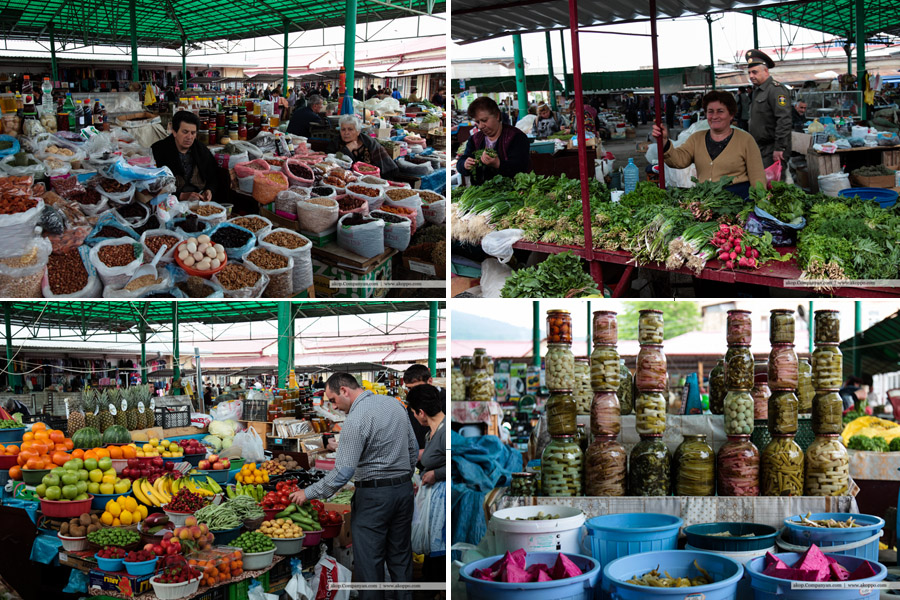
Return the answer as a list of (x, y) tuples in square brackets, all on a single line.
[(434, 207), (396, 235), (214, 219), (117, 198), (133, 222), (414, 202), (831, 184), (169, 254), (281, 281), (92, 289), (233, 159), (233, 409), (374, 202), (500, 243), (317, 214), (250, 444), (413, 168), (366, 240), (286, 201), (493, 277), (328, 570), (7, 167), (262, 232), (255, 291), (25, 281), (45, 143), (116, 277), (18, 230), (253, 151), (340, 162), (302, 257), (164, 283), (95, 209)]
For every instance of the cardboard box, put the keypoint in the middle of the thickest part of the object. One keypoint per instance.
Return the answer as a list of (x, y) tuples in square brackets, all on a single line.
[(801, 142), (589, 143), (120, 583), (458, 285), (278, 221), (344, 538), (412, 261), (82, 561), (319, 240), (880, 181), (324, 273)]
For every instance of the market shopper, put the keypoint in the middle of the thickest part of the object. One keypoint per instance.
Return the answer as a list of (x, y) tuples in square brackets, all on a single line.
[(743, 102), (306, 116), (722, 151), (413, 377), (798, 115), (546, 124), (378, 447), (509, 143), (363, 148), (770, 111), (191, 162)]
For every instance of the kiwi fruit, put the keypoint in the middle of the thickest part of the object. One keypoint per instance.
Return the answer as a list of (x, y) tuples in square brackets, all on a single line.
[(64, 528), (93, 527), (85, 519)]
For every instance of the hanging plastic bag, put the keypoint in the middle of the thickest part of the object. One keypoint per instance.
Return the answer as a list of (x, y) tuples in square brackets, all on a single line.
[(18, 229), (397, 230), (493, 277), (773, 172), (250, 444), (317, 214), (298, 588), (21, 276), (117, 277), (500, 243), (422, 520), (92, 289), (327, 571), (365, 238), (256, 592)]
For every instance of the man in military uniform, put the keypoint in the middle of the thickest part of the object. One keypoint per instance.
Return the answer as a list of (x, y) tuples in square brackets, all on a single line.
[(770, 112)]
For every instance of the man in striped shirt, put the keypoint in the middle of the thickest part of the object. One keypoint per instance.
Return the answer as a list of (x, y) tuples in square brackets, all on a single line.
[(379, 448)]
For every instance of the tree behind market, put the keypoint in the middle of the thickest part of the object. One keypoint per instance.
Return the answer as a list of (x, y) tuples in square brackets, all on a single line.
[(679, 318)]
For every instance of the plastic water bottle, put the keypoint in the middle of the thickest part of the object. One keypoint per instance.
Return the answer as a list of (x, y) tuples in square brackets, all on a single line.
[(47, 95), (631, 176)]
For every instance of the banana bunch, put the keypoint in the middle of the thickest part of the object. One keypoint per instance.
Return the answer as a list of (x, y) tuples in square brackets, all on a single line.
[(160, 492)]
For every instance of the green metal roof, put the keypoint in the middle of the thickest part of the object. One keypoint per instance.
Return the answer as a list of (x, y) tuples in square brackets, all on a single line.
[(837, 17), (880, 347), (629, 80), (496, 85), (163, 23)]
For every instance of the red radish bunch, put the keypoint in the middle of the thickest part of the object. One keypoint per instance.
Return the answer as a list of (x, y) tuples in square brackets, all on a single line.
[(733, 251)]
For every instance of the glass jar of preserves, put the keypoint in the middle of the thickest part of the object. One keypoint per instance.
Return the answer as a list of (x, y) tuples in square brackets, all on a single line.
[(782, 467), (650, 327), (827, 327), (827, 467), (650, 467), (827, 366), (737, 466), (805, 389), (481, 386), (761, 392), (203, 136), (605, 465), (651, 373), (605, 419), (738, 412), (480, 356), (582, 392), (523, 484), (559, 365), (739, 368), (561, 413), (605, 328), (457, 385), (783, 406), (582, 437), (559, 327), (561, 465), (626, 389), (784, 368), (827, 412), (739, 328), (694, 467), (717, 389), (466, 366), (650, 411), (604, 368), (781, 326)]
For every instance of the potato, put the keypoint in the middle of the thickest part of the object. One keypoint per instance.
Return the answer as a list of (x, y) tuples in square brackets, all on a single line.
[(64, 528), (93, 527), (95, 519), (77, 531), (85, 519)]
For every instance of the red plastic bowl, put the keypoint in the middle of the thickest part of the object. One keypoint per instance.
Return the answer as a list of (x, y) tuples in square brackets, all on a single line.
[(193, 271), (8, 461), (311, 538), (66, 509), (271, 512), (331, 531)]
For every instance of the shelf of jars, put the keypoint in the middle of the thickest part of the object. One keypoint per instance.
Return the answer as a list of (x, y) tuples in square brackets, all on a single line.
[(472, 399)]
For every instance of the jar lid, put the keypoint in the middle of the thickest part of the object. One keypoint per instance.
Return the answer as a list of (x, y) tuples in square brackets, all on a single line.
[(605, 312), (562, 436), (654, 391), (525, 474), (694, 436), (742, 437), (782, 310), (557, 311), (651, 346), (826, 310), (782, 345), (561, 391), (647, 436), (650, 310), (738, 311), (582, 359)]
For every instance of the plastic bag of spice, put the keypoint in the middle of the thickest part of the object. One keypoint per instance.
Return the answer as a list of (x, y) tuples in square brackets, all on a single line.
[(317, 214), (142, 286), (260, 226), (19, 216), (397, 229), (190, 225), (246, 171), (241, 281), (363, 169), (275, 263), (118, 193), (286, 203), (434, 206), (22, 164), (157, 238), (109, 228), (236, 239), (208, 212), (412, 168), (21, 276), (361, 235), (403, 211), (371, 193), (412, 202), (192, 286), (348, 205), (322, 191), (267, 185), (299, 173), (64, 278), (134, 215), (124, 256), (299, 248)]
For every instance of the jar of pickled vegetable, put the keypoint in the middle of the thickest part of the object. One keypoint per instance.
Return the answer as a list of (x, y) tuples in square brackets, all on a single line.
[(626, 389), (561, 413), (559, 365), (559, 327), (604, 368), (605, 328), (694, 467), (465, 365), (605, 419), (457, 385), (783, 411), (649, 467), (827, 367), (523, 484), (651, 371), (781, 326), (827, 327), (481, 387), (480, 359), (737, 467), (805, 389), (582, 392), (782, 467), (582, 437), (739, 368), (605, 470), (761, 392), (784, 367), (650, 327), (827, 412), (739, 328), (650, 411), (738, 412), (561, 465), (827, 467), (717, 389)]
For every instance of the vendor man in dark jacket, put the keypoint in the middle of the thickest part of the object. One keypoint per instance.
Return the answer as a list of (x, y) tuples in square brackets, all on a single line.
[(309, 114), (770, 111), (191, 162)]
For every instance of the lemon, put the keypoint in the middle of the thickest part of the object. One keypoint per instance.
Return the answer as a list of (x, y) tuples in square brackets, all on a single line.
[(113, 508), (143, 510), (125, 518), (106, 518), (136, 516), (116, 523), (130, 503), (121, 500)]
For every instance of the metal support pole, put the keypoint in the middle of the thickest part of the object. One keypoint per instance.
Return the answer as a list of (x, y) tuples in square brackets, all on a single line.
[(284, 79), (536, 333), (755, 31), (183, 64), (143, 330), (176, 356), (657, 96), (562, 41), (712, 59), (861, 57), (349, 56), (132, 9), (200, 400), (11, 377), (848, 47), (521, 88), (810, 326), (552, 83), (54, 68), (285, 342), (432, 337), (589, 322), (857, 339)]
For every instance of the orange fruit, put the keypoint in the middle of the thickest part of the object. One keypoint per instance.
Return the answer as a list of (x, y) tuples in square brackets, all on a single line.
[(42, 435), (79, 453), (39, 427), (28, 436), (115, 452), (90, 454), (57, 436), (59, 448), (101, 452), (129, 452), (34, 463), (15, 473), (60, 458), (68, 443), (12, 449), (40, 448)]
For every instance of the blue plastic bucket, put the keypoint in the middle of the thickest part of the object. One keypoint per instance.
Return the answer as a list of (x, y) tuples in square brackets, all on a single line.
[(848, 541), (886, 198), (705, 536), (725, 572), (614, 536), (14, 434), (771, 588), (574, 588)]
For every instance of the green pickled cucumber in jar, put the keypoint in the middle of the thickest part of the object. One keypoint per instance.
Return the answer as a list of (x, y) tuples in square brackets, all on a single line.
[(605, 369), (717, 389), (694, 467), (783, 406), (561, 467), (782, 467), (626, 389), (827, 367), (650, 465), (827, 412)]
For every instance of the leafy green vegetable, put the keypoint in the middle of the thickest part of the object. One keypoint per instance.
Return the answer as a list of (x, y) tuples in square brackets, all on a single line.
[(872, 171), (709, 199), (895, 445), (477, 156), (862, 442), (850, 415), (783, 201), (560, 276)]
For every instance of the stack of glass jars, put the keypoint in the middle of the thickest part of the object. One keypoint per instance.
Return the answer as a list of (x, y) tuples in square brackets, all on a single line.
[(481, 383), (761, 391), (561, 461), (467, 369), (717, 389), (650, 459), (805, 390), (605, 458)]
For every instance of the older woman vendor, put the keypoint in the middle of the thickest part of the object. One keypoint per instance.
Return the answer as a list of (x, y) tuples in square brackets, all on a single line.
[(364, 148)]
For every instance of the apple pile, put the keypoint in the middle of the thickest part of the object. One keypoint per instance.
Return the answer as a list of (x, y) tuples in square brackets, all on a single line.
[(151, 468), (191, 536), (140, 555), (77, 478), (192, 446), (112, 552), (214, 463)]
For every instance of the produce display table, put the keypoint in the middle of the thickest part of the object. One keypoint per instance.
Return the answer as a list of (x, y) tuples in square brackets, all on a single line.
[(876, 466)]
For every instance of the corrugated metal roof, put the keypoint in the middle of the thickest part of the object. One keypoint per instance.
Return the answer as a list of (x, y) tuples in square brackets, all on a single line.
[(880, 347), (475, 20)]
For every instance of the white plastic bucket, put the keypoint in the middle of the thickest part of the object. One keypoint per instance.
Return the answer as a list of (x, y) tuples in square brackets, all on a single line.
[(550, 535)]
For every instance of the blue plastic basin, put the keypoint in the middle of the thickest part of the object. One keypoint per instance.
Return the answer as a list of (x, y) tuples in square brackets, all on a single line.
[(581, 587), (826, 538), (100, 500), (140, 568), (885, 197), (772, 588), (614, 536), (726, 574), (112, 565)]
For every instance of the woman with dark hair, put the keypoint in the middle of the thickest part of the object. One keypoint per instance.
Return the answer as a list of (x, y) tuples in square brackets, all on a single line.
[(191, 162), (722, 151), (427, 405), (509, 143)]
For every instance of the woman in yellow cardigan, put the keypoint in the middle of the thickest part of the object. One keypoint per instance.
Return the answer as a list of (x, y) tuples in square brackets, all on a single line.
[(721, 151)]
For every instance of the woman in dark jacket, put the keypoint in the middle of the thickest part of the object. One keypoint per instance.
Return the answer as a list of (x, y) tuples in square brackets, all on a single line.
[(191, 162), (510, 144), (362, 148)]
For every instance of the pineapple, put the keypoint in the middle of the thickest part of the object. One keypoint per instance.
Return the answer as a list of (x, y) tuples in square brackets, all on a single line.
[(115, 396), (150, 415), (105, 419), (75, 416), (132, 413), (143, 395), (89, 400)]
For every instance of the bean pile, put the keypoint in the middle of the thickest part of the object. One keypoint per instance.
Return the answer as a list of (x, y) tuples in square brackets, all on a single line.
[(347, 203), (236, 276), (400, 193), (206, 211), (66, 273), (323, 190), (140, 282), (85, 196), (192, 224), (388, 217), (231, 237), (113, 187), (251, 223), (356, 219), (301, 170), (109, 231), (116, 256), (284, 239), (155, 242), (428, 197), (334, 182), (10, 204), (132, 211), (195, 287), (364, 191), (152, 223), (267, 260)]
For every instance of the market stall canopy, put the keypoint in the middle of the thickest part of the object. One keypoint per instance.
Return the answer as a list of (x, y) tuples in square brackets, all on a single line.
[(166, 24), (837, 17), (671, 80), (475, 20), (264, 78), (496, 85), (232, 80), (335, 74), (879, 345), (202, 80)]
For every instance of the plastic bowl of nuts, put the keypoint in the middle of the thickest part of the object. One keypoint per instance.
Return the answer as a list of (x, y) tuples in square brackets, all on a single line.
[(198, 256)]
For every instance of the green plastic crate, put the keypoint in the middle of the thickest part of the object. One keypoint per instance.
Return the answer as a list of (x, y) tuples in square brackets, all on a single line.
[(239, 590), (761, 436)]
